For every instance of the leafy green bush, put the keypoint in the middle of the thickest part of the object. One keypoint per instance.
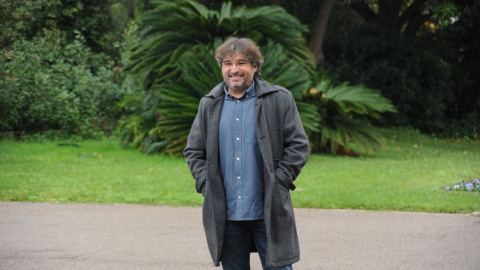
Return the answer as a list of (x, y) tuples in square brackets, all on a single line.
[(47, 84), (345, 112), (26, 19)]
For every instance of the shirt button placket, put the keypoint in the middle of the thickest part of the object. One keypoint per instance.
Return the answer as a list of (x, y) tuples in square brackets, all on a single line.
[(238, 152)]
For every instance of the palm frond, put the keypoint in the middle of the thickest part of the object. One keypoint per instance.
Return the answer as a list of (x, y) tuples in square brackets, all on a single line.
[(344, 122), (344, 132), (173, 28), (200, 73), (356, 99)]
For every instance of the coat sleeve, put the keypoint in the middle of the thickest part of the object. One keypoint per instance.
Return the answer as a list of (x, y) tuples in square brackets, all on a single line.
[(195, 151), (296, 148)]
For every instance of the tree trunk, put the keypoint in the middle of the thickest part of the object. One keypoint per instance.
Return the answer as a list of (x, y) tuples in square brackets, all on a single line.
[(319, 30)]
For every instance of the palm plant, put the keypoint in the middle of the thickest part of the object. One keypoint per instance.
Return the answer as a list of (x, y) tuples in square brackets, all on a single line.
[(176, 27), (179, 67), (200, 73), (335, 117), (344, 121)]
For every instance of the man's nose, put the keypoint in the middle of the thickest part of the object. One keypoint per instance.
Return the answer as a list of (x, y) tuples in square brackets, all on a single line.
[(234, 68)]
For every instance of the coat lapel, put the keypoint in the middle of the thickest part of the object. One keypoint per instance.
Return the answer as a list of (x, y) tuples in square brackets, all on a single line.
[(213, 124)]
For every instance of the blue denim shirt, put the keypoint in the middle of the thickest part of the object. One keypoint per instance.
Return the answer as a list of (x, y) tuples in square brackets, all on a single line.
[(240, 157)]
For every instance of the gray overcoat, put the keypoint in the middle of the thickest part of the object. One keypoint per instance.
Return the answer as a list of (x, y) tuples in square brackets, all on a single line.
[(285, 150)]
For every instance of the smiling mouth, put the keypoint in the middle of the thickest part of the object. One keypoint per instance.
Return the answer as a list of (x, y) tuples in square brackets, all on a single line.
[(236, 75)]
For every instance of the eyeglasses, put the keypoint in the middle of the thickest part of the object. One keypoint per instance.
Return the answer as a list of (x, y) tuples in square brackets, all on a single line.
[(241, 63)]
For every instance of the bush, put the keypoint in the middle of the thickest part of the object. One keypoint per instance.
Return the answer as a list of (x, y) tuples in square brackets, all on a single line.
[(345, 112), (47, 84), (27, 19)]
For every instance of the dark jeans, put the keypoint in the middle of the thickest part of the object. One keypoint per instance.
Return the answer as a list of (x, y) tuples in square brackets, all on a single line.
[(237, 243)]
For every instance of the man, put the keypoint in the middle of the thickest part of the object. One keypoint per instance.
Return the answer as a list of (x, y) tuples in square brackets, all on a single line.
[(246, 147)]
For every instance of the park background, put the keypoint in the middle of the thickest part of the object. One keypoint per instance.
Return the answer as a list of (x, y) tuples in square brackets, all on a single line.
[(97, 97)]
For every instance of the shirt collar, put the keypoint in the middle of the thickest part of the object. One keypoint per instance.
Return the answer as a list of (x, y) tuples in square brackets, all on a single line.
[(248, 94)]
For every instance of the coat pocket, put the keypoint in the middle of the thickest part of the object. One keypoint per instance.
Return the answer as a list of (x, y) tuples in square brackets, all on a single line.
[(281, 201), (283, 235)]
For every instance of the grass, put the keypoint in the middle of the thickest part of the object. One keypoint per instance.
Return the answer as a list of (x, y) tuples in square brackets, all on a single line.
[(95, 172), (408, 174)]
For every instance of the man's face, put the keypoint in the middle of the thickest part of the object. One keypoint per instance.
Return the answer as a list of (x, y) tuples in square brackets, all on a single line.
[(238, 73)]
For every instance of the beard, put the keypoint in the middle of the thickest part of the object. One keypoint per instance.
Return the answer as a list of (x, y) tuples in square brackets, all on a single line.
[(238, 82)]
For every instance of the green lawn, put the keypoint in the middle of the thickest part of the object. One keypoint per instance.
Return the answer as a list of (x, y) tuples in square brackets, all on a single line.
[(408, 174)]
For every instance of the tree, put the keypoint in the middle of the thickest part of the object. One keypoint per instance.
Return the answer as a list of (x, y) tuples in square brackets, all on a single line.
[(404, 15), (101, 22), (319, 29), (416, 65)]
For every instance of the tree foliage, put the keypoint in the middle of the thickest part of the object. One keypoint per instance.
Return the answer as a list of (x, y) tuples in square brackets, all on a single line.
[(405, 71), (26, 19), (409, 16), (60, 66), (425, 75), (431, 77)]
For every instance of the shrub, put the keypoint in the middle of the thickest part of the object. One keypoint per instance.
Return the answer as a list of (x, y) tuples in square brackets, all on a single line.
[(49, 84), (345, 112), (27, 19)]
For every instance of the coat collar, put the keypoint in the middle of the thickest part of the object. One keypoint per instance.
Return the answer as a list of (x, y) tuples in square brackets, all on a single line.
[(262, 87)]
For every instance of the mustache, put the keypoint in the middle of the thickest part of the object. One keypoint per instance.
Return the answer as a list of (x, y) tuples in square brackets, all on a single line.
[(238, 73)]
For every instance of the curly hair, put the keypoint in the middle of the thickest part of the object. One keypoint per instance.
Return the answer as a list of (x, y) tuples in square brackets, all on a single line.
[(242, 46)]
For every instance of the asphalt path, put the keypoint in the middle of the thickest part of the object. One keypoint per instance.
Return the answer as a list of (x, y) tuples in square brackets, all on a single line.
[(91, 236)]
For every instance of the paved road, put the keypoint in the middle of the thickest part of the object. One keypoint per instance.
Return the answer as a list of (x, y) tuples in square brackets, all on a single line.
[(89, 236)]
